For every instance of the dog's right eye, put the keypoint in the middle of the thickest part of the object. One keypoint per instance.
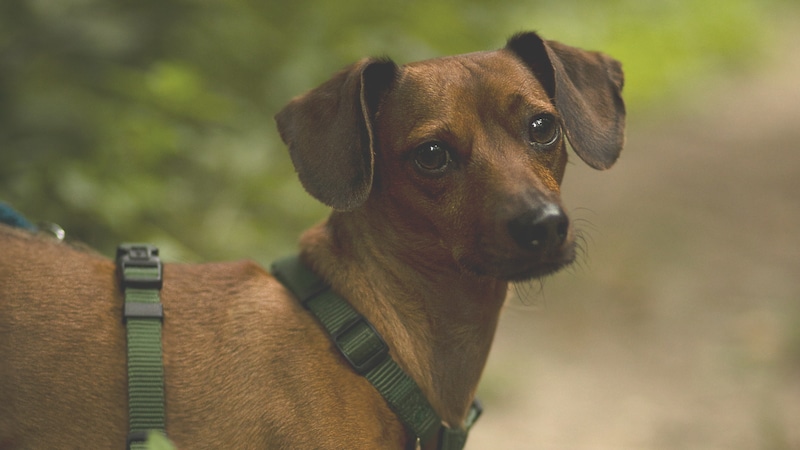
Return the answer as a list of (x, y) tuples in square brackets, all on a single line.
[(432, 157), (544, 130)]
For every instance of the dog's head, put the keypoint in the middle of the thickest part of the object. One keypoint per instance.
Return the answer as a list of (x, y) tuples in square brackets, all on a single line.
[(468, 151)]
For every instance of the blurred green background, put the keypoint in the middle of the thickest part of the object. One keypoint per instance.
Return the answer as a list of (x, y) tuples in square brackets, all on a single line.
[(151, 120)]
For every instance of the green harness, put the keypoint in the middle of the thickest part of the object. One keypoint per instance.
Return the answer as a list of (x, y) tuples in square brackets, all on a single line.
[(364, 349), (368, 354), (141, 278)]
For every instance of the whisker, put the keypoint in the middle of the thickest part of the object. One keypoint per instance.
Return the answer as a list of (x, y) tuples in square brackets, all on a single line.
[(528, 295), (583, 239)]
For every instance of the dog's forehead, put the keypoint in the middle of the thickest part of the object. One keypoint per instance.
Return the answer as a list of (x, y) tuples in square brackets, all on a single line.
[(459, 94), (494, 70), (484, 80)]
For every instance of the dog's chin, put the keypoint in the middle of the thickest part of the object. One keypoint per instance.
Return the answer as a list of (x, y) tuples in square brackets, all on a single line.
[(519, 274), (520, 270)]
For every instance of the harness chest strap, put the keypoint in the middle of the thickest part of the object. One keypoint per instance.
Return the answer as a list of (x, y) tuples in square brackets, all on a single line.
[(140, 273), (368, 354)]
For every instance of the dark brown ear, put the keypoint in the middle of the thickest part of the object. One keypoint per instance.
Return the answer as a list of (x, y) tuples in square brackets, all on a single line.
[(330, 135), (586, 89)]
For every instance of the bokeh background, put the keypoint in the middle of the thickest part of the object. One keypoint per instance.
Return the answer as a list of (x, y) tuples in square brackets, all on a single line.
[(151, 120)]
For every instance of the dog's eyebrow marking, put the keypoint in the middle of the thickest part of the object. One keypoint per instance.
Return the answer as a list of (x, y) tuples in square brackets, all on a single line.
[(525, 102), (431, 130), (517, 102)]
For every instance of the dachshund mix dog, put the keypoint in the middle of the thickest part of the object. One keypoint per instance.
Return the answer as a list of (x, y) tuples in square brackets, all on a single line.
[(443, 177)]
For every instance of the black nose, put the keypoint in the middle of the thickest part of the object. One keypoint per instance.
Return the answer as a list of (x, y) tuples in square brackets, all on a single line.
[(542, 229)]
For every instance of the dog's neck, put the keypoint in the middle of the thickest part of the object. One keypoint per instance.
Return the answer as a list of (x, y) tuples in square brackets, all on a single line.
[(438, 320)]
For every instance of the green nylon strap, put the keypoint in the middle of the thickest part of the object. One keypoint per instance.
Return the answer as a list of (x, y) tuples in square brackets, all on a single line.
[(358, 342), (140, 273), (366, 351)]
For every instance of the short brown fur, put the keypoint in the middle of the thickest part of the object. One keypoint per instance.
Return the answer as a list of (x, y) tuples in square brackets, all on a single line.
[(426, 257)]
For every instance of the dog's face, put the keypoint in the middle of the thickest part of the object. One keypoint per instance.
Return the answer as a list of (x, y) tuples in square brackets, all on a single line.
[(465, 153), (466, 146)]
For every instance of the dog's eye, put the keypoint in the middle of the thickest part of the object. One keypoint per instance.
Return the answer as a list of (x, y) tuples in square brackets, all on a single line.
[(544, 130), (432, 157)]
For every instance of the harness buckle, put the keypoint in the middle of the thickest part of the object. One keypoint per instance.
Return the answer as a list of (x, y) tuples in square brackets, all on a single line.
[(360, 344), (142, 310), (136, 437), (139, 266)]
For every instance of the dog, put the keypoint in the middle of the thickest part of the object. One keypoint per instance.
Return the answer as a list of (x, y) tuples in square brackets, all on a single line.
[(443, 178)]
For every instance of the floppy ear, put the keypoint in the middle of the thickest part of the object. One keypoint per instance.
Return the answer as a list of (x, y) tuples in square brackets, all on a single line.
[(329, 133), (586, 89)]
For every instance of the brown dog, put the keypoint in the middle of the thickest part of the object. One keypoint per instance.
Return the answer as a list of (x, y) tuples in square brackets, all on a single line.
[(444, 179)]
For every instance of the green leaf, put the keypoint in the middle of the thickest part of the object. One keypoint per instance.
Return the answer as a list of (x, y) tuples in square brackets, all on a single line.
[(157, 441)]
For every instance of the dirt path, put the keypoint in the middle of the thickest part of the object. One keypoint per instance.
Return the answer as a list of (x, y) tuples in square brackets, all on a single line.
[(682, 330)]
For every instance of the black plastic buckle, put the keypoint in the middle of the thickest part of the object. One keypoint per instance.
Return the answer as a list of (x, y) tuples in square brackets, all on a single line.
[(474, 413), (140, 310), (456, 438), (140, 256), (362, 359), (136, 436)]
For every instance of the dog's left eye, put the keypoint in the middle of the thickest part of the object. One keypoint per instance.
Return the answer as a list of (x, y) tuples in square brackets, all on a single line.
[(544, 130), (432, 157)]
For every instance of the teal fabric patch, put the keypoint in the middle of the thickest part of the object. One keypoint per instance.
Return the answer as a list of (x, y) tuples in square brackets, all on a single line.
[(10, 216)]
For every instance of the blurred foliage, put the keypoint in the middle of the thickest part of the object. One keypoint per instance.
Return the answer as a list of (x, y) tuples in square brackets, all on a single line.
[(157, 441), (151, 120)]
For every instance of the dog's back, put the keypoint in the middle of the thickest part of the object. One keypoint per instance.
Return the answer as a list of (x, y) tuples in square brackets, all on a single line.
[(237, 353), (55, 299)]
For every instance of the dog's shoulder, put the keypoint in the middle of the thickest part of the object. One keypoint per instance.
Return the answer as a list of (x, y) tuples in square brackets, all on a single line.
[(16, 242), (217, 279), (239, 290), (38, 261)]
